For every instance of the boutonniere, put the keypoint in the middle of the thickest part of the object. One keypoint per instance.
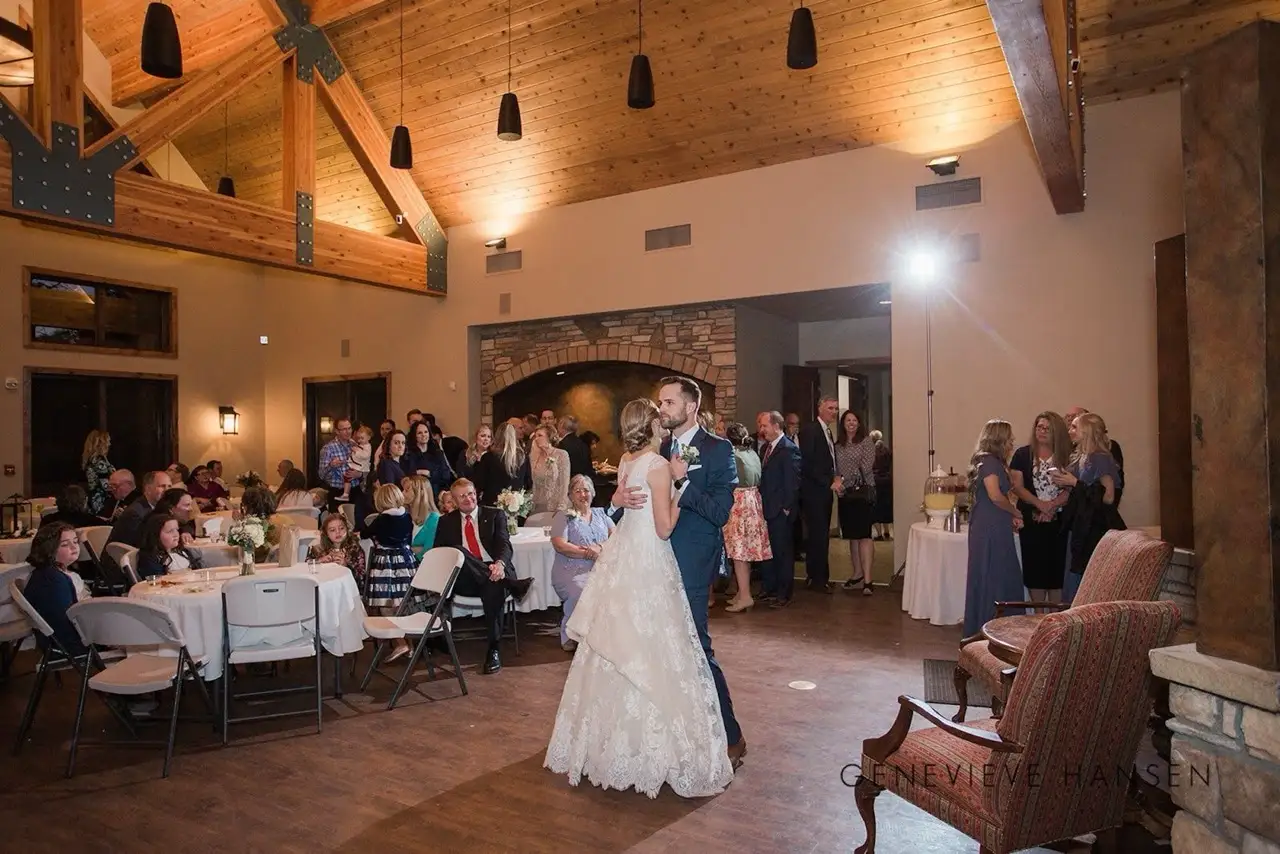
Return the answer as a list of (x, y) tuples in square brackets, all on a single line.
[(689, 454), (572, 514)]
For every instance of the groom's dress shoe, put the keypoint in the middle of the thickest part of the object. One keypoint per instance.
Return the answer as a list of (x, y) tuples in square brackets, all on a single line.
[(737, 751), (519, 588), (492, 661)]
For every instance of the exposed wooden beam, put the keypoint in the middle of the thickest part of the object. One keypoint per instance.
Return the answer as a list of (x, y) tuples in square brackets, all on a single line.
[(59, 58), (1038, 39), (164, 121), (364, 135), (215, 40), (299, 119), (149, 210)]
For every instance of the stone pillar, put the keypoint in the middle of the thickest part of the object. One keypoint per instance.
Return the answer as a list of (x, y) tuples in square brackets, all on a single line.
[(1231, 158), (1224, 690)]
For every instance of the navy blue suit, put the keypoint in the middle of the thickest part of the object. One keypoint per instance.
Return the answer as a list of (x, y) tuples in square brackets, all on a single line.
[(698, 542), (780, 496), (817, 471)]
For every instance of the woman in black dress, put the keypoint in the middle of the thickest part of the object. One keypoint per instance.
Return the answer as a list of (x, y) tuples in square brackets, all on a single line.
[(1044, 543), (504, 466)]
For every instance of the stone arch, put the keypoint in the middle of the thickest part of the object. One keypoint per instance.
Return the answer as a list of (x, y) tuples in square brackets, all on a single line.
[(575, 354)]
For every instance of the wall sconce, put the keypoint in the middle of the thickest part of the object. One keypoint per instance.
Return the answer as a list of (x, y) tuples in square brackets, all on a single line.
[(229, 420), (943, 166), (326, 424), (498, 243)]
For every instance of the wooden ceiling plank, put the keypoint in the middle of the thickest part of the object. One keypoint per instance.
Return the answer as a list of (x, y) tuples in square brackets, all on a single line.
[(58, 47), (165, 120), (157, 212), (1040, 77), (298, 116)]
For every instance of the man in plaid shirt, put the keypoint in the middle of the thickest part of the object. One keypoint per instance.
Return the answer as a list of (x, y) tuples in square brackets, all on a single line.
[(334, 457)]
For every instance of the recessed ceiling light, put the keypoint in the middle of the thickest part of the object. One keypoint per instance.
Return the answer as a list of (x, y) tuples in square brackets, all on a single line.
[(262, 339), (559, 373), (886, 302)]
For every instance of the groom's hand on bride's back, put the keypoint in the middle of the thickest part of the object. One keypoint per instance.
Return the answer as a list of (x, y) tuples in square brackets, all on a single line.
[(629, 497)]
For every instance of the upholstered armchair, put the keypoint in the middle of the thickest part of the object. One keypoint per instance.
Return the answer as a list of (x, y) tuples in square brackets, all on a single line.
[(1127, 566), (1057, 765)]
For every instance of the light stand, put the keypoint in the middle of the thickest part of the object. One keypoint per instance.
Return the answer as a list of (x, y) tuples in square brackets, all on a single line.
[(928, 375)]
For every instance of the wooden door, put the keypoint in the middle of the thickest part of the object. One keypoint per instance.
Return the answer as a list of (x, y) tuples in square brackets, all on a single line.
[(362, 399), (800, 391)]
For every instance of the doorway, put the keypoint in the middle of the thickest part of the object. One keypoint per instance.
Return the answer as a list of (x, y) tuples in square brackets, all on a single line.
[(362, 398), (62, 406)]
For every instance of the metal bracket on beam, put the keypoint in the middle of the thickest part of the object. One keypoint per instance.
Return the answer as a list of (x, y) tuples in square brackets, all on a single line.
[(313, 46), (428, 229), (305, 210), (55, 180)]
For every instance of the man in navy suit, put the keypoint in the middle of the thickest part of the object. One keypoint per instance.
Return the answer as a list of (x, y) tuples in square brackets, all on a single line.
[(818, 482), (780, 495), (706, 487)]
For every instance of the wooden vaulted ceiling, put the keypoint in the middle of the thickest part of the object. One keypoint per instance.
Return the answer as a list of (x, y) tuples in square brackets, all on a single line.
[(930, 72)]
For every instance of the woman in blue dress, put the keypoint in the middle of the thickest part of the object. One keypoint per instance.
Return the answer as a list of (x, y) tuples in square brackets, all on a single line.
[(995, 573), (577, 534)]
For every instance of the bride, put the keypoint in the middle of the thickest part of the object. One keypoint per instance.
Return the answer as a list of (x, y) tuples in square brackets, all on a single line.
[(639, 708)]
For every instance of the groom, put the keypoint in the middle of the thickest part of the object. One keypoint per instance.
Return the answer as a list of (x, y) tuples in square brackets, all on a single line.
[(705, 483)]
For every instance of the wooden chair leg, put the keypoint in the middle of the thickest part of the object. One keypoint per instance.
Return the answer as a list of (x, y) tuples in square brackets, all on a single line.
[(961, 679), (864, 794)]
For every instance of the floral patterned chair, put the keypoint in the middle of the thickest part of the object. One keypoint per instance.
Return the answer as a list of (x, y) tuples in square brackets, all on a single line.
[(1127, 566), (1057, 765)]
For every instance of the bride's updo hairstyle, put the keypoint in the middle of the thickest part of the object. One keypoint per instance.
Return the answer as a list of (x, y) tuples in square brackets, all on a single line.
[(637, 424)]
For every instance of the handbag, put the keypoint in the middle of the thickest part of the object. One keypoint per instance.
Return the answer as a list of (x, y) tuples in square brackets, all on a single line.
[(861, 491)]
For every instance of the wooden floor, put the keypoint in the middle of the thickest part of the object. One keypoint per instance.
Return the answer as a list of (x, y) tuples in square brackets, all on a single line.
[(465, 773)]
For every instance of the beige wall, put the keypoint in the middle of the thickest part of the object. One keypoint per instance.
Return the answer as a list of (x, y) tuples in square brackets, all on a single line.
[(766, 342), (1060, 310), (856, 338)]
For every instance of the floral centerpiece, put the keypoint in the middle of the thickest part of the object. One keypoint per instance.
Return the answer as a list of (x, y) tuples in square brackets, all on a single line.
[(516, 503), (249, 479), (250, 534)]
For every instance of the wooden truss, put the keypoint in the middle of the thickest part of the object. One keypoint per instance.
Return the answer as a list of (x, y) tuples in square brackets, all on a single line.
[(46, 174), (1039, 43)]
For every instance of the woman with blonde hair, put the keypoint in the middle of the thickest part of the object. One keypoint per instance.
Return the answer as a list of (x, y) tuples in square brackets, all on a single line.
[(97, 469), (994, 574), (419, 500), (504, 466), (746, 537), (1094, 480), (480, 442), (549, 470), (391, 562), (1044, 543)]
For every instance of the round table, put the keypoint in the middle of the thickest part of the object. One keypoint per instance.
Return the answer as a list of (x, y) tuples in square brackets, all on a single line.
[(1008, 636), (196, 606), (933, 584)]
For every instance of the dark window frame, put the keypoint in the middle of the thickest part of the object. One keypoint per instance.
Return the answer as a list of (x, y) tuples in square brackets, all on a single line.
[(170, 351)]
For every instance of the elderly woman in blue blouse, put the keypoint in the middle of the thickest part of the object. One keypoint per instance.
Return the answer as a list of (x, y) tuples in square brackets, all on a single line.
[(577, 535)]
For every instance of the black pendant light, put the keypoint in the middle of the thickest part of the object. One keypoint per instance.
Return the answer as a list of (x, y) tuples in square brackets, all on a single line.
[(640, 83), (509, 126), (226, 187), (161, 47), (401, 146), (802, 41)]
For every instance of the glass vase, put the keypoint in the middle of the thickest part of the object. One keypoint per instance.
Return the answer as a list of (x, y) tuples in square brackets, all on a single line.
[(246, 562), (512, 525)]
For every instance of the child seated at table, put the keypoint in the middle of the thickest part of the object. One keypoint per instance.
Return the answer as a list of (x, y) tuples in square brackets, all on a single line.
[(53, 587), (339, 544), (161, 550)]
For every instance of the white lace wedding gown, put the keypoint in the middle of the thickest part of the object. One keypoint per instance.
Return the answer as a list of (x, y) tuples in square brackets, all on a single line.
[(639, 708)]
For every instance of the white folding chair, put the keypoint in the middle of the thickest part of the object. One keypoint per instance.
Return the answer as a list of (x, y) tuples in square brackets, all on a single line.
[(436, 573), (54, 657), (15, 627), (257, 603), (120, 622), (124, 556), (540, 520), (306, 518)]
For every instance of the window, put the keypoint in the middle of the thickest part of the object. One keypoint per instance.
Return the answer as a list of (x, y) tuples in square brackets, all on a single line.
[(71, 312)]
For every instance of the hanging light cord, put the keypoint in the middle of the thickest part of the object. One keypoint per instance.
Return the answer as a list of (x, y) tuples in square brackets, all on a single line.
[(226, 140), (508, 45), (401, 61), (640, 24)]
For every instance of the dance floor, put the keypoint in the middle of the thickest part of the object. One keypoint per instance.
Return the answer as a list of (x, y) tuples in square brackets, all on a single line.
[(465, 773)]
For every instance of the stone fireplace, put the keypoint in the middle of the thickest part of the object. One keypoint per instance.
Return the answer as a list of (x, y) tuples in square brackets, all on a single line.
[(630, 349)]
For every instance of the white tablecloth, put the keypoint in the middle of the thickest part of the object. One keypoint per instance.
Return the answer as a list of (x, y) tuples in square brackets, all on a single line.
[(533, 558), (197, 610), (933, 584)]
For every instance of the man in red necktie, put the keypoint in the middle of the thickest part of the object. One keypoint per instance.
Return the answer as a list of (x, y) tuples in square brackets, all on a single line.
[(487, 573)]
